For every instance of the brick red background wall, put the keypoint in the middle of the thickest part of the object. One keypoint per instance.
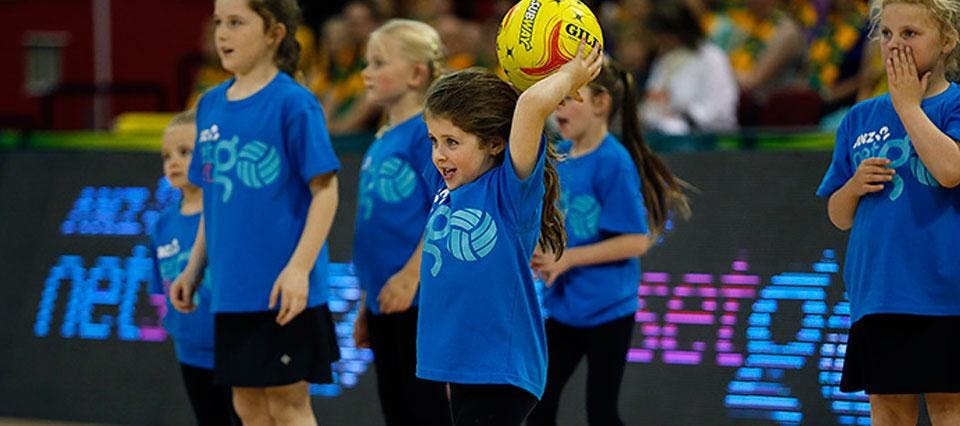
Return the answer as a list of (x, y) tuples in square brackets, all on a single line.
[(149, 37)]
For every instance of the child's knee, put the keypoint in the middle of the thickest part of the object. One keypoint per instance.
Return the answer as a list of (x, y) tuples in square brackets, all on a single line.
[(943, 408), (249, 403), (894, 409), (288, 403)]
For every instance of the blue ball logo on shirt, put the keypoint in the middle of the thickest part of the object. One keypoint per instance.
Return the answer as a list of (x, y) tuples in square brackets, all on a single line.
[(258, 164), (583, 216), (473, 234), (395, 180)]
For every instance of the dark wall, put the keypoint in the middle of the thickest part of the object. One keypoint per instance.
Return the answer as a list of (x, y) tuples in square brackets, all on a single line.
[(756, 208), (148, 40)]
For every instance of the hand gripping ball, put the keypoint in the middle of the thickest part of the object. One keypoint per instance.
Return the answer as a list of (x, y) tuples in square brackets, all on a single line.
[(536, 37)]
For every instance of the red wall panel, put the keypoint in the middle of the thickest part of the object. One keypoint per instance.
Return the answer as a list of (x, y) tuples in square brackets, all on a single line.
[(17, 19), (148, 39)]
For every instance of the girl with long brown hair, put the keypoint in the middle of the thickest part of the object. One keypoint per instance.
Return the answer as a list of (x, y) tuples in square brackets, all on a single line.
[(480, 328), (617, 197), (268, 173)]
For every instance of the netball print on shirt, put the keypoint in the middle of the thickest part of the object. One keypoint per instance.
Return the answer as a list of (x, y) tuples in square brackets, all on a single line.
[(466, 234), (254, 164), (390, 181), (582, 213)]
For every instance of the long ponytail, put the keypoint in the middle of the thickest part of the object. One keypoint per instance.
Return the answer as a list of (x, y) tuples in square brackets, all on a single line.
[(489, 116), (553, 236), (663, 192), (286, 12)]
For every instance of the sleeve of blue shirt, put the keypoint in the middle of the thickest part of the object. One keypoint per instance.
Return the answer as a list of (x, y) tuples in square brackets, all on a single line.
[(195, 169), (840, 170), (309, 144), (952, 122), (526, 195), (621, 203)]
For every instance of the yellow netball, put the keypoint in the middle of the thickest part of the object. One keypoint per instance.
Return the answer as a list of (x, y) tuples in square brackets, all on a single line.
[(537, 37)]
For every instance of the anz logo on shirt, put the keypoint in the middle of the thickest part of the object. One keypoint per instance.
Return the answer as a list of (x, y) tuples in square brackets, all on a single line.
[(172, 260), (467, 234), (899, 152), (872, 137), (255, 164)]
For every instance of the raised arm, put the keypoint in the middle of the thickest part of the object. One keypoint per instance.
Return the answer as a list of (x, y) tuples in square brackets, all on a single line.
[(541, 99), (937, 150)]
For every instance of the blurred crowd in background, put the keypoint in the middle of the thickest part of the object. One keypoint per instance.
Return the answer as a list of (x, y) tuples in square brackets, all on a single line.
[(701, 66)]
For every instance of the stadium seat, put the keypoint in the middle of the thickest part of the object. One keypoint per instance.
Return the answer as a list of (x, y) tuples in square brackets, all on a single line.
[(791, 108)]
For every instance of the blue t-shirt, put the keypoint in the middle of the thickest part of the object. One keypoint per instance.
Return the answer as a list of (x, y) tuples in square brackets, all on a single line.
[(171, 240), (397, 184), (903, 253), (480, 320), (254, 160), (601, 198)]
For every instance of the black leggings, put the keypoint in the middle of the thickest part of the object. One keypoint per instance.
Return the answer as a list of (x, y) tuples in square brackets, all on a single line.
[(212, 404), (605, 347), (489, 405), (404, 398)]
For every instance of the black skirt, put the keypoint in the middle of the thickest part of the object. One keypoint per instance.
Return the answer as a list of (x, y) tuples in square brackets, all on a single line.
[(252, 350), (903, 354)]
